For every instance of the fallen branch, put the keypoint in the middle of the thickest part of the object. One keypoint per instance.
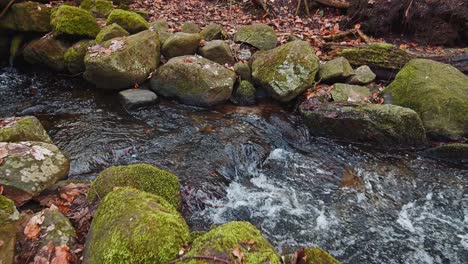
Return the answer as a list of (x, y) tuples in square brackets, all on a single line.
[(215, 259), (333, 3), (340, 35), (7, 7), (363, 36)]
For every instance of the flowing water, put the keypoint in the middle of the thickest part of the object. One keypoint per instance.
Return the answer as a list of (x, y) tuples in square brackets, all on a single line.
[(259, 164)]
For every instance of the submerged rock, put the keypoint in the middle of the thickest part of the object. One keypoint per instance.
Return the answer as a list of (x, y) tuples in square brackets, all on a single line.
[(335, 70), (134, 98), (362, 75), (132, 226), (74, 57), (217, 51), (9, 216), (190, 27), (438, 92), (111, 31), (30, 167), (243, 237), (244, 94), (121, 62), (73, 21), (130, 21), (260, 36), (350, 93), (194, 80), (286, 71), (26, 128), (180, 44), (99, 8), (48, 51), (212, 32), (386, 125), (457, 152), (27, 17)]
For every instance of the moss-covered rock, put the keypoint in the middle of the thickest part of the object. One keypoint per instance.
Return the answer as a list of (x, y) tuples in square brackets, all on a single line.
[(56, 228), (385, 125), (161, 26), (130, 61), (180, 44), (212, 32), (99, 8), (217, 51), (438, 92), (30, 167), (222, 240), (318, 256), (244, 94), (73, 21), (111, 31), (140, 176), (27, 128), (335, 70), (456, 152), (350, 93), (130, 21), (242, 70), (260, 36), (194, 80), (27, 17), (190, 27), (48, 51), (362, 75), (74, 57), (8, 221), (144, 14), (131, 226), (286, 71)]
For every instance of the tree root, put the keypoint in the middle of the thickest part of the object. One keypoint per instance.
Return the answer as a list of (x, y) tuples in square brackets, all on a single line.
[(334, 3)]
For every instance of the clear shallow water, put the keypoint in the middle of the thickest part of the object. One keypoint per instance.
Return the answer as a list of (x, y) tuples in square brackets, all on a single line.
[(260, 165)]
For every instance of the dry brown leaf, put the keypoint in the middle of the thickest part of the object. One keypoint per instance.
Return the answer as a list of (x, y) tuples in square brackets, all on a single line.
[(62, 255), (238, 254), (33, 227)]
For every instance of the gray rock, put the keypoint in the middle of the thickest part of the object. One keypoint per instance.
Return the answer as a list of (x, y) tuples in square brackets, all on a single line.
[(243, 71), (180, 44), (134, 98), (190, 27), (335, 70), (217, 51), (362, 75), (350, 93), (212, 32), (260, 36), (47, 51), (27, 17), (111, 31)]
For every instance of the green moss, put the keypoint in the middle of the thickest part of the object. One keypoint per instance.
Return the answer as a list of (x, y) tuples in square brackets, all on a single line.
[(27, 17), (141, 176), (346, 92), (222, 240), (8, 212), (196, 234), (213, 31), (190, 27), (74, 57), (130, 21), (143, 13), (99, 8), (69, 20), (131, 226), (379, 55), (27, 128), (245, 94), (319, 256), (110, 32), (259, 35), (457, 152)]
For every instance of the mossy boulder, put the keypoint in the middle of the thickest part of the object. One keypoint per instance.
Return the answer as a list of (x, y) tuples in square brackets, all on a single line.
[(350, 93), (194, 80), (286, 71), (457, 152), (362, 75), (130, 60), (140, 176), (242, 70), (74, 57), (244, 94), (30, 167), (27, 128), (132, 226), (73, 21), (260, 36), (438, 92), (161, 26), (48, 51), (212, 32), (99, 8), (222, 240), (318, 256), (9, 216), (217, 51), (180, 44), (337, 69), (27, 17), (111, 31), (190, 27), (130, 21), (384, 125)]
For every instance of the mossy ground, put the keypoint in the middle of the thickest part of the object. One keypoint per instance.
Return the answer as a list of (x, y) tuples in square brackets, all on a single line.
[(74, 21), (130, 21)]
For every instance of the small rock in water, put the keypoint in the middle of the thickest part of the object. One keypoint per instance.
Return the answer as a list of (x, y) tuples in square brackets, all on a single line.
[(134, 98)]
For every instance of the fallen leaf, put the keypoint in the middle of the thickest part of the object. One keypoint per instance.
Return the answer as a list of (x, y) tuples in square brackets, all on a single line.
[(238, 254), (62, 255), (33, 227)]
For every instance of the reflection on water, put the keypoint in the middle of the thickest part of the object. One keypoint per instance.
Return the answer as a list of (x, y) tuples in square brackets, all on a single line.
[(260, 164)]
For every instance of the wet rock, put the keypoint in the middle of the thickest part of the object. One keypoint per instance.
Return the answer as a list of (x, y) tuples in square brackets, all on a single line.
[(74, 57), (221, 242), (194, 80), (48, 51), (180, 44), (130, 60), (286, 71), (74, 21), (27, 17), (261, 36), (337, 69), (212, 32), (131, 226), (27, 128), (8, 222), (244, 94), (130, 21), (362, 75), (217, 51), (111, 31), (30, 167), (134, 98), (349, 93), (190, 27), (243, 71), (438, 92), (318, 255), (98, 8), (386, 125), (457, 152)]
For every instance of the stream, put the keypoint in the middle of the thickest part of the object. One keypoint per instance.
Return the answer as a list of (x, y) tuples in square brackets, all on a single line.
[(260, 164)]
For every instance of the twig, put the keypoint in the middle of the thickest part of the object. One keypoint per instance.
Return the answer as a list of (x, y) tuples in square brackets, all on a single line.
[(6, 8), (339, 35), (215, 259), (306, 7), (299, 2), (363, 36), (334, 3)]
